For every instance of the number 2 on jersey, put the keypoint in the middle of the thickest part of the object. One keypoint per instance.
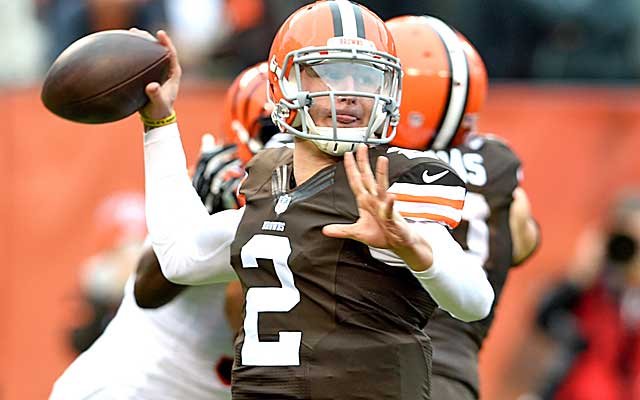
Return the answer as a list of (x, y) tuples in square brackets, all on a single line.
[(285, 351)]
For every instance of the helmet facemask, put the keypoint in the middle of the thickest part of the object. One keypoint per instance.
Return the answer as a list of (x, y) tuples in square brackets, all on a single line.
[(332, 89)]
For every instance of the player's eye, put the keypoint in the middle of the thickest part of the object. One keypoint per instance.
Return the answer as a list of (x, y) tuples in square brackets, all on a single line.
[(333, 73), (368, 81)]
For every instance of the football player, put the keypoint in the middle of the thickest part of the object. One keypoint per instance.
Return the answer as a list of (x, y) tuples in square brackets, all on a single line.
[(247, 115), (444, 88), (247, 128), (166, 341), (169, 340), (341, 267)]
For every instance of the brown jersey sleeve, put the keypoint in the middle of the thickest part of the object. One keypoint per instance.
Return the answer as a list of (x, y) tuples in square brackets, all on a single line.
[(426, 189)]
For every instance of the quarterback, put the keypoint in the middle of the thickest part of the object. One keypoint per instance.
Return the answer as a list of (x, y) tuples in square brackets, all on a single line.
[(341, 266)]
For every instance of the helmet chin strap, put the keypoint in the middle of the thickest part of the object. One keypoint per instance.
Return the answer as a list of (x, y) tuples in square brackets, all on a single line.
[(334, 147)]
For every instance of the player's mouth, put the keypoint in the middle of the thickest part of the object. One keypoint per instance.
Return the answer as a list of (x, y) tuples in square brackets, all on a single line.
[(346, 118)]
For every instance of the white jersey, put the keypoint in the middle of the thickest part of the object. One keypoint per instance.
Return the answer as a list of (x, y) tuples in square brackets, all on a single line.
[(172, 352)]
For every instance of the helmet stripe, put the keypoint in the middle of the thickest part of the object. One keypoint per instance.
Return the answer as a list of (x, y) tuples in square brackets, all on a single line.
[(258, 84), (459, 90), (337, 21), (357, 11), (348, 17), (234, 102)]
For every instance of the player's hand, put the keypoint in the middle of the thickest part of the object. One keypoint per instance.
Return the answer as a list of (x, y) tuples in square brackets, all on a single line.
[(218, 175), (162, 97), (379, 224)]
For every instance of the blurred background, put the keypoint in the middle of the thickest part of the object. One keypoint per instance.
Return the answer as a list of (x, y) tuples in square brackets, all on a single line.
[(564, 93)]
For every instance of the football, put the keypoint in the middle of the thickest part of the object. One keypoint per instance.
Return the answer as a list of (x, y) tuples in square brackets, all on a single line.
[(101, 77)]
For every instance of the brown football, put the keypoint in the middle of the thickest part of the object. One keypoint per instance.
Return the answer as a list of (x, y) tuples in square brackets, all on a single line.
[(101, 77)]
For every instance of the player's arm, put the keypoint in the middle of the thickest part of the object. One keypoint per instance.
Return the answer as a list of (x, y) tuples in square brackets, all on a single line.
[(191, 245), (152, 289), (456, 281), (431, 196), (233, 303), (525, 232), (425, 246), (216, 177)]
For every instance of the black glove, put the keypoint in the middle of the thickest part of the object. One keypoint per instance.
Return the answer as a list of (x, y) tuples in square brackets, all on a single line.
[(217, 177)]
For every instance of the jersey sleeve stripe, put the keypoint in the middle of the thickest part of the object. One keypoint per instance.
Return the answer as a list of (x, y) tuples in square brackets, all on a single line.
[(426, 208), (424, 217), (387, 256), (423, 190), (458, 204)]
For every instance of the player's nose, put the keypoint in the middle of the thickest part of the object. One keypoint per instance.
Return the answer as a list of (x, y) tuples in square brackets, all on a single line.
[(346, 99)]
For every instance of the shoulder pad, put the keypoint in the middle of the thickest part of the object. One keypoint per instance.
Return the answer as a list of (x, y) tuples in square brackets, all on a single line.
[(260, 168), (272, 156), (490, 137)]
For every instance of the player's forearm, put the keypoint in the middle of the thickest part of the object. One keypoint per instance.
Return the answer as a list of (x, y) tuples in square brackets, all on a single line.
[(202, 256), (456, 281), (170, 197), (152, 289), (191, 245), (416, 253), (525, 240), (525, 232)]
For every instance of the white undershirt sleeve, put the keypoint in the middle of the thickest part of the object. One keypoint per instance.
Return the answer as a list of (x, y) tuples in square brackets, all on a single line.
[(191, 245), (456, 281)]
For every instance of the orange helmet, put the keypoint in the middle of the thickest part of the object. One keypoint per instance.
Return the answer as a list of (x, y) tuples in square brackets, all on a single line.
[(247, 112), (350, 51), (445, 83)]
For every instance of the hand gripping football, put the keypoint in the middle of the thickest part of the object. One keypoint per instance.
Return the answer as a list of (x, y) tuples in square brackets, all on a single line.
[(101, 77)]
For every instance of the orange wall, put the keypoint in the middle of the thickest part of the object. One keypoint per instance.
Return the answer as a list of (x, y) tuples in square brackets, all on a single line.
[(578, 146)]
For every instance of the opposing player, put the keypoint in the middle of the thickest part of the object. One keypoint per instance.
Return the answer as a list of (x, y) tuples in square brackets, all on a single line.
[(247, 128), (167, 341), (445, 85), (171, 341), (247, 115), (338, 282)]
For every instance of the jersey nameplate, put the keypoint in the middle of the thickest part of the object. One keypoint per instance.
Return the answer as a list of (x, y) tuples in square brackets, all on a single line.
[(277, 226)]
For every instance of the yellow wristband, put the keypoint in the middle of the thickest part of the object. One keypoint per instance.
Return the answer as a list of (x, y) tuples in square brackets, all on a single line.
[(157, 123)]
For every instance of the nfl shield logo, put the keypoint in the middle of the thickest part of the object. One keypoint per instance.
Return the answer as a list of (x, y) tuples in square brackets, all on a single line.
[(282, 204)]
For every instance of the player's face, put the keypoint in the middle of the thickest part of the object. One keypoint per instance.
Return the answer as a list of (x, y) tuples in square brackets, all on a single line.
[(352, 111)]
